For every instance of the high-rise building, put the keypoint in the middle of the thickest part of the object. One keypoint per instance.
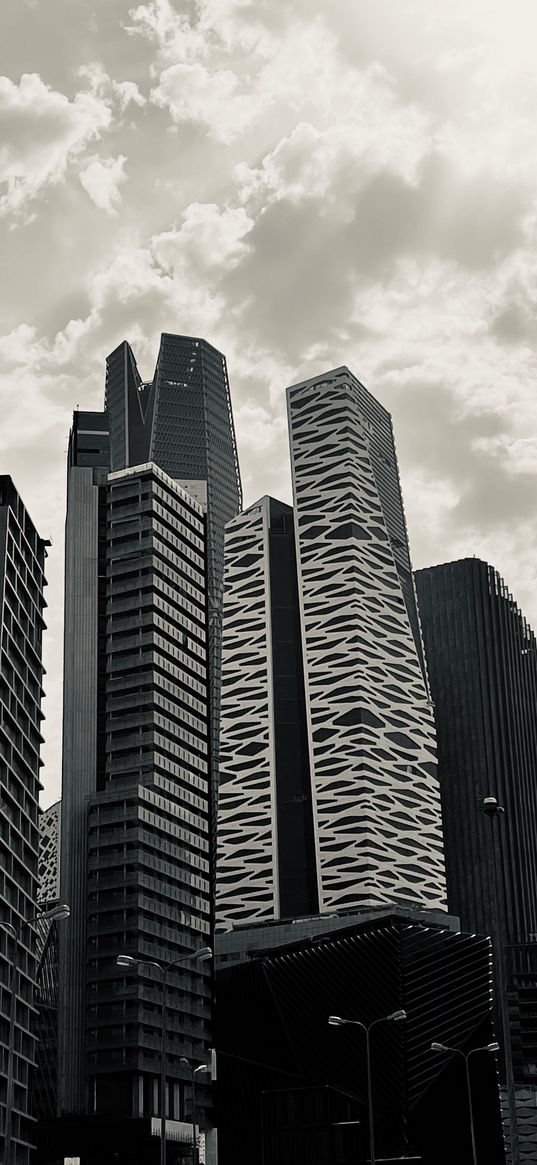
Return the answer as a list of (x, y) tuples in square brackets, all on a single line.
[(182, 420), (378, 828), (368, 811), (22, 581), (266, 863), (151, 481), (482, 660)]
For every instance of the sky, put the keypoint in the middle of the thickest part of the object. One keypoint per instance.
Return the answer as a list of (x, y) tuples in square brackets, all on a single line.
[(306, 185)]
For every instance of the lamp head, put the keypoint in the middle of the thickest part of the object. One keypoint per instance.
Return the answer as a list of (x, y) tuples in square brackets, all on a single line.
[(396, 1016), (335, 1020), (494, 1047), (202, 955), (126, 961), (435, 1047), (490, 806), (56, 912)]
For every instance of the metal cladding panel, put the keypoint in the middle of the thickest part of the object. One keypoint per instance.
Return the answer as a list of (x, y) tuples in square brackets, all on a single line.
[(273, 1035), (372, 739), (247, 873)]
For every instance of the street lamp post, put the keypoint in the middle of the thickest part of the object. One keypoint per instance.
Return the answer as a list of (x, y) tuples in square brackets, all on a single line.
[(193, 1071), (338, 1021), (495, 812), (436, 1047), (53, 915), (164, 969)]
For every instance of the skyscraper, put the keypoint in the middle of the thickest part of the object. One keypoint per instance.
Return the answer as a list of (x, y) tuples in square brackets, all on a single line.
[(367, 778), (22, 581), (266, 864), (378, 829), (151, 481), (482, 659)]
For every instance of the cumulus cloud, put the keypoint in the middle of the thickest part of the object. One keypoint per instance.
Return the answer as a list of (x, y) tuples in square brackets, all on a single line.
[(374, 205), (42, 131), (101, 179)]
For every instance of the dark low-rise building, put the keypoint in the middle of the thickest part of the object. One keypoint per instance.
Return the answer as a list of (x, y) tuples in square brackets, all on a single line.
[(302, 1083)]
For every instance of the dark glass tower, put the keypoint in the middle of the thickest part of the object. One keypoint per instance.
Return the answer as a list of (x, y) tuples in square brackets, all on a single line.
[(182, 420), (482, 660), (151, 481), (22, 581)]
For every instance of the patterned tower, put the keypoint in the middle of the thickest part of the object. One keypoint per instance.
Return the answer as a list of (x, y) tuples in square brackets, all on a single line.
[(266, 856), (376, 801)]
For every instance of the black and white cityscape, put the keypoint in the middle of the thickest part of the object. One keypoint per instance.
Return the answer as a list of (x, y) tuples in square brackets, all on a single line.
[(297, 799), (268, 567)]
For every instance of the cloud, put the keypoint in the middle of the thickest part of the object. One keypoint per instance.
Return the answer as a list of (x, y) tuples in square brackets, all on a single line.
[(102, 179), (343, 184), (209, 238), (42, 131)]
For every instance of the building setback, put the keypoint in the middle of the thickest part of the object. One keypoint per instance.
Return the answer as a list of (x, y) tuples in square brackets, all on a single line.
[(22, 581), (151, 481)]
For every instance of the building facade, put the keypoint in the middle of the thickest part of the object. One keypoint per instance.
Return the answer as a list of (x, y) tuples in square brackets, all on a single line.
[(150, 482), (376, 799), (334, 756), (266, 856), (302, 1083), (48, 890), (22, 581), (482, 660)]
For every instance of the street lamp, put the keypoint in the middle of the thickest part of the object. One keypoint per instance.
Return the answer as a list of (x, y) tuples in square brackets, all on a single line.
[(338, 1021), (193, 1071), (494, 811), (494, 1047), (128, 962), (55, 914)]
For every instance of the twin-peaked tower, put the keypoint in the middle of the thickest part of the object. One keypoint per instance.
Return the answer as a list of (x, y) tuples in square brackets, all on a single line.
[(329, 797), (151, 482)]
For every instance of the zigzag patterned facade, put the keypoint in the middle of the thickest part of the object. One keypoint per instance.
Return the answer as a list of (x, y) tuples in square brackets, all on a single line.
[(370, 724), (328, 757), (247, 882)]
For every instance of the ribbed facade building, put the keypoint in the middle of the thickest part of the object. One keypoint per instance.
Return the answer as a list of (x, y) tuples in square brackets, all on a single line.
[(22, 581), (364, 732), (298, 1087), (151, 481), (482, 660)]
